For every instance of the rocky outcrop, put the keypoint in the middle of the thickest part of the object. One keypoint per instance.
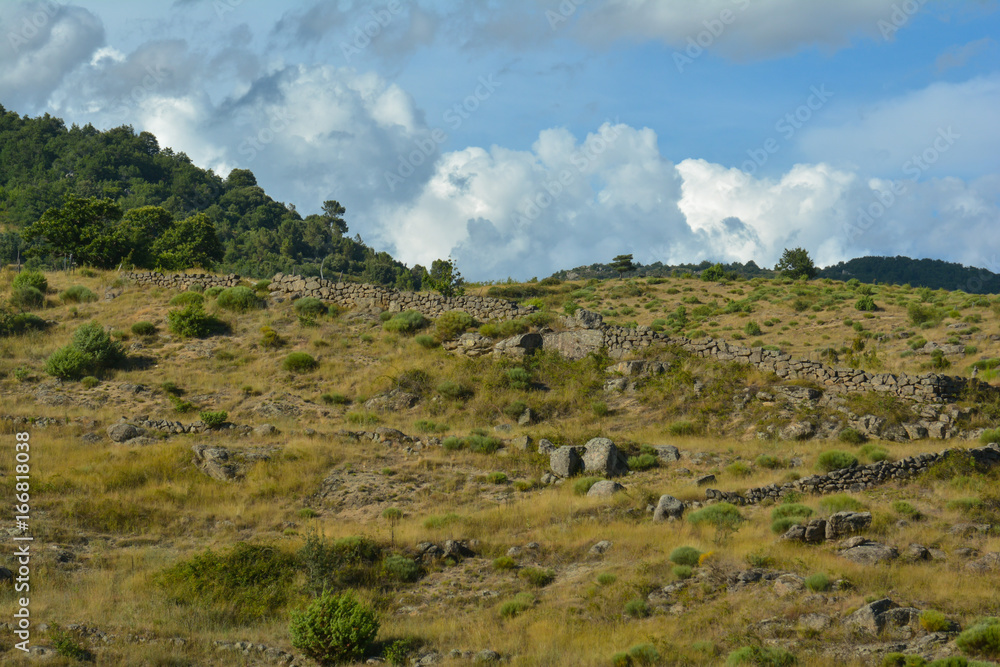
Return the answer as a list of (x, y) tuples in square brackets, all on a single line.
[(668, 508)]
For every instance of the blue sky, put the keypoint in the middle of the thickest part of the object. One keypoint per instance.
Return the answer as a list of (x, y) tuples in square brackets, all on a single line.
[(676, 131)]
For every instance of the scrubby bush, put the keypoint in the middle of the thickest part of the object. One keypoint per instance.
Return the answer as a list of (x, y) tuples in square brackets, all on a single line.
[(537, 576), (768, 461), (334, 629), (835, 459), (27, 298), (721, 515), (193, 322), (865, 304), (77, 294), (68, 363), (682, 427), (89, 382), (239, 299), (934, 621), (187, 298), (407, 322), (91, 351), (214, 418), (481, 444), (760, 656), (454, 391), (518, 378), (452, 324), (852, 436), (685, 556), (15, 324), (427, 342), (504, 563), (606, 578), (68, 644), (874, 453), (787, 515), (35, 279), (643, 462), (269, 338), (309, 307), (683, 571), (244, 584), (521, 603), (401, 568), (840, 503), (214, 292), (637, 608), (299, 362), (982, 639), (144, 328), (582, 485), (818, 583), (990, 435), (739, 469), (752, 328)]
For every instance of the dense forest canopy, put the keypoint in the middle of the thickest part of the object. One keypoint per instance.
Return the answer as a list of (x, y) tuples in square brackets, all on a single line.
[(153, 205)]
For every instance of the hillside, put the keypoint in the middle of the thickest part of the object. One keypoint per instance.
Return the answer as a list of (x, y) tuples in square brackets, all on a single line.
[(240, 450)]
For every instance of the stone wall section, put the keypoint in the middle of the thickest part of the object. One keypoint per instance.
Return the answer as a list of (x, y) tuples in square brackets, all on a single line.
[(182, 281)]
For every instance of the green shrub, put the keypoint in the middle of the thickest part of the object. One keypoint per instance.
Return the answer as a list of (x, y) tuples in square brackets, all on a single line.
[(452, 324), (453, 444), (362, 417), (299, 362), (760, 656), (214, 291), (187, 298), (644, 655), (835, 459), (874, 453), (600, 409), (521, 603), (15, 324), (144, 328), (504, 563), (94, 341), (794, 510), (269, 338), (852, 436), (906, 509), (193, 322), (68, 363), (643, 462), (214, 418), (721, 515), (497, 478), (27, 298), (401, 568), (309, 307), (752, 329), (537, 576), (982, 639), (606, 578), (840, 503), (990, 435), (481, 444), (685, 556), (90, 382), (398, 653), (244, 584), (739, 469), (920, 314), (239, 299), (768, 461), (637, 608), (35, 279), (68, 645), (334, 399), (866, 304), (407, 322), (582, 485), (77, 294), (334, 629), (454, 391), (519, 379), (934, 621), (683, 427), (818, 583), (428, 342), (683, 571)]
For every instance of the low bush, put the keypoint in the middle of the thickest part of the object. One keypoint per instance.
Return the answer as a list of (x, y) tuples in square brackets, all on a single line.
[(68, 363), (835, 459), (68, 644), (739, 469), (35, 279), (144, 328), (768, 461), (681, 428), (214, 418), (89, 382), (643, 462), (683, 571), (333, 398), (582, 485), (243, 584), (481, 444), (299, 362), (874, 453), (518, 378), (606, 578), (239, 299), (637, 608), (407, 322), (504, 563), (866, 304), (348, 562), (427, 342), (309, 307), (840, 503), (990, 435), (452, 324), (818, 583), (982, 639), (401, 568), (852, 436), (521, 603), (269, 338), (27, 298), (760, 656), (685, 556), (193, 322), (906, 509), (934, 621), (77, 294), (537, 576), (454, 391), (187, 298), (334, 629), (721, 515), (16, 324)]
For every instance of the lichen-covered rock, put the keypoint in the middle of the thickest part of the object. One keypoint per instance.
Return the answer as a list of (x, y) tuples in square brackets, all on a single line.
[(605, 489), (870, 553), (565, 462), (842, 524), (602, 457), (122, 432), (668, 508)]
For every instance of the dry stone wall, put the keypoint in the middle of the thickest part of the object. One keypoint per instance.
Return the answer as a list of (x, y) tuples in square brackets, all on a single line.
[(182, 281), (367, 296)]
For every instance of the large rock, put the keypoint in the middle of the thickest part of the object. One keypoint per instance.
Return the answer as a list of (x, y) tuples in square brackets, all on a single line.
[(574, 344), (870, 617), (605, 489), (122, 432), (667, 453), (885, 618), (518, 346), (546, 446), (870, 553), (842, 524), (602, 457), (797, 431), (565, 462), (668, 508), (215, 462), (588, 319), (394, 400)]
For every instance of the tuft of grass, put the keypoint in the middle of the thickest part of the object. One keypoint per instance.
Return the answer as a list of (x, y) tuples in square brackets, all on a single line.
[(874, 453), (77, 294), (818, 583), (144, 328), (407, 322), (537, 576), (504, 563), (840, 503), (637, 608), (239, 300), (934, 621), (721, 516), (582, 485), (521, 603), (760, 656), (852, 436)]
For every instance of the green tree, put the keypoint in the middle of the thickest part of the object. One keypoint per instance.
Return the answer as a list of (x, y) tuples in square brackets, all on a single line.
[(188, 243), (445, 278), (713, 273), (138, 231), (333, 212), (81, 227), (622, 264), (796, 263)]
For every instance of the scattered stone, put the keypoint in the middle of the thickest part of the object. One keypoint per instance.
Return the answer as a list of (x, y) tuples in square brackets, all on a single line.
[(603, 457), (456, 549), (546, 447), (522, 443), (122, 432), (214, 462), (847, 523), (90, 438), (394, 400), (988, 562), (565, 462), (667, 453), (870, 553), (527, 418), (605, 489), (916, 552), (704, 480), (797, 431), (600, 548), (789, 583), (668, 508), (486, 657)]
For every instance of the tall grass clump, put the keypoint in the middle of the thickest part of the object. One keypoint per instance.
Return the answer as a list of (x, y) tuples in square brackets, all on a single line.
[(77, 294), (299, 362), (760, 656), (35, 279), (407, 322), (193, 322), (453, 324), (724, 516), (309, 307)]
